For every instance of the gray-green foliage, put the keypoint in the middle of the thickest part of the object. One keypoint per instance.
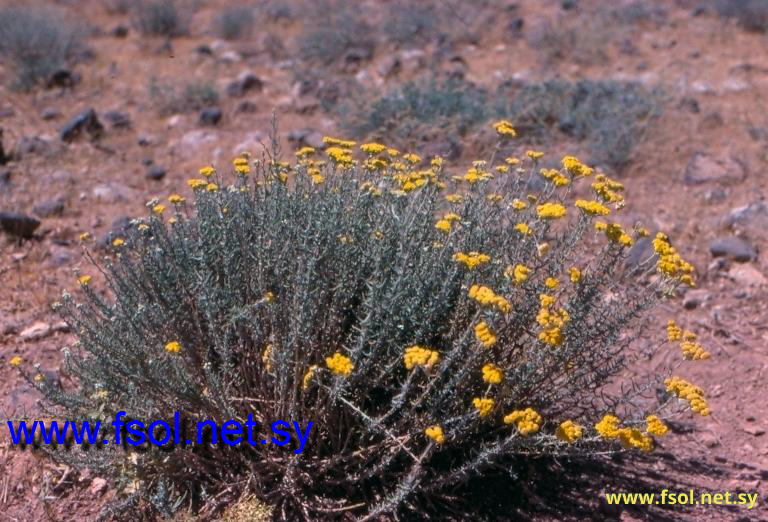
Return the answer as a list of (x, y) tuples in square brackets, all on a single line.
[(37, 42), (169, 97), (353, 265)]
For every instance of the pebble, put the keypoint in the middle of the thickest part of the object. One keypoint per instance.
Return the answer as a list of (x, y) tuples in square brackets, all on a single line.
[(84, 122), (36, 331), (695, 298), (155, 172), (210, 116), (17, 224), (703, 168), (49, 208), (732, 247)]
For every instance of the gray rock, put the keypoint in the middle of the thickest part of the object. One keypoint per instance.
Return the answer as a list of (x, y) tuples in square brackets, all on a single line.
[(210, 116), (118, 120), (155, 172), (703, 168), (747, 276), (50, 113), (60, 256), (733, 248), (112, 192), (84, 122), (63, 78), (305, 138), (247, 106), (246, 81), (749, 216), (48, 209), (5, 178), (32, 145), (18, 225), (35, 331), (695, 298)]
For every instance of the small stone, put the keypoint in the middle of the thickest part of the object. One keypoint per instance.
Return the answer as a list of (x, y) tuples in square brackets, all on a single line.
[(747, 275), (61, 327), (50, 113), (752, 215), (98, 486), (246, 106), (118, 120), (145, 140), (60, 256), (85, 121), (709, 440), (18, 224), (49, 208), (755, 431), (120, 31), (193, 140), (63, 78), (641, 252), (210, 116), (715, 195), (230, 57), (36, 331), (305, 138), (155, 172), (733, 248), (703, 168), (695, 298), (10, 329), (112, 193), (246, 81)]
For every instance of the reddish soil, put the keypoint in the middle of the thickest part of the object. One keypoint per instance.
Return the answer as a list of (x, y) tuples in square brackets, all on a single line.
[(714, 72)]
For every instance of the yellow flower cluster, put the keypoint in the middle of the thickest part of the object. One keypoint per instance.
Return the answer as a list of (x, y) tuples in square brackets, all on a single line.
[(575, 274), (593, 208), (15, 360), (173, 347), (523, 229), (550, 210), (305, 152), (492, 374), (454, 198), (555, 177), (687, 391), (528, 420), (335, 142), (656, 426), (632, 438), (373, 149), (435, 433), (483, 406), (674, 332), (176, 199), (340, 364), (576, 168), (569, 431), (486, 296), (484, 334), (607, 189), (518, 204), (266, 357), (691, 349), (670, 263), (519, 273), (418, 356), (608, 427), (614, 232), (472, 259), (443, 225), (118, 242), (207, 171), (340, 156), (551, 282), (534, 154), (308, 377), (551, 321), (196, 183), (475, 174), (241, 165), (512, 161), (504, 128), (84, 280)]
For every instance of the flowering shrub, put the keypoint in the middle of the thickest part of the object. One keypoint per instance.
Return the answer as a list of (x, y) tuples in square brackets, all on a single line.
[(424, 354)]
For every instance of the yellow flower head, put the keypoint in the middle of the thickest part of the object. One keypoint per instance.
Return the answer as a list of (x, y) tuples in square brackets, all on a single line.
[(569, 431), (484, 334), (472, 259), (207, 171), (15, 360), (443, 225), (158, 209), (656, 426), (488, 297), (550, 210), (524, 229), (84, 280), (575, 167), (483, 406), (308, 377), (575, 274), (340, 364), (534, 154), (505, 129), (608, 427), (593, 208), (492, 374), (527, 421), (519, 273), (173, 347), (418, 356), (176, 199), (435, 433), (118, 242), (85, 236)]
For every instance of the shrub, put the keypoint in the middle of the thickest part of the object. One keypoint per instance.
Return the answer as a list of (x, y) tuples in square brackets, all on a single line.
[(330, 29), (234, 22), (406, 113), (750, 14), (37, 42), (170, 98), (611, 116), (159, 18), (431, 328)]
